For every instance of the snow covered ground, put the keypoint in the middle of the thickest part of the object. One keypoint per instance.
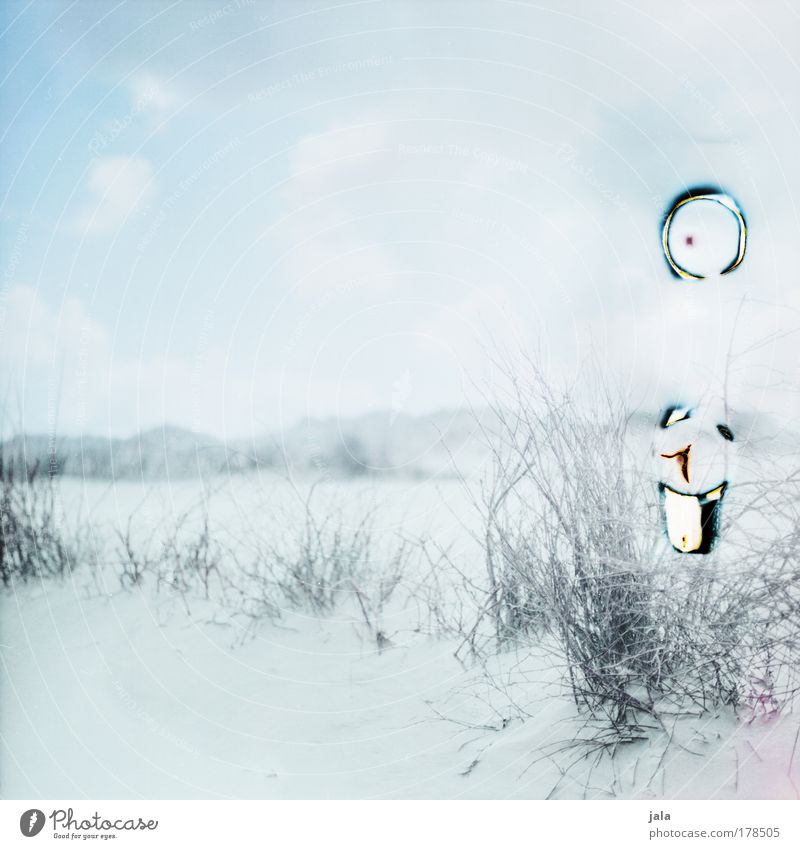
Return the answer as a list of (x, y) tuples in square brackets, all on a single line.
[(350, 218), (123, 694)]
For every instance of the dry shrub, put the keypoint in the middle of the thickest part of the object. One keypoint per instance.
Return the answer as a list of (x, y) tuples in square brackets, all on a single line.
[(319, 563), (34, 542), (575, 557)]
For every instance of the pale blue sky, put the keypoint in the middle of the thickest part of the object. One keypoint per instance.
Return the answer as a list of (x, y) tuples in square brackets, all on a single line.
[(228, 216)]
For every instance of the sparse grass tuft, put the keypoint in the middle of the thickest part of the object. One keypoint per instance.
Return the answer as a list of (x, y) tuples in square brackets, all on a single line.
[(321, 563), (575, 558), (33, 540)]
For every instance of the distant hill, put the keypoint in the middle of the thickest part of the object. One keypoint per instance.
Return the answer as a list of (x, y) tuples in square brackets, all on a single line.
[(380, 443), (375, 444), (157, 453)]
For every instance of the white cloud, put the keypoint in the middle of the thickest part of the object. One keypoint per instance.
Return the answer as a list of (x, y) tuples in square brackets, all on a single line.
[(62, 374), (54, 356), (324, 168), (148, 92), (118, 186)]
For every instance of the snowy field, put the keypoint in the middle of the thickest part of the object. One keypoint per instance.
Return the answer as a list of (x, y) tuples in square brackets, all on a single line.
[(116, 693), (378, 243)]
